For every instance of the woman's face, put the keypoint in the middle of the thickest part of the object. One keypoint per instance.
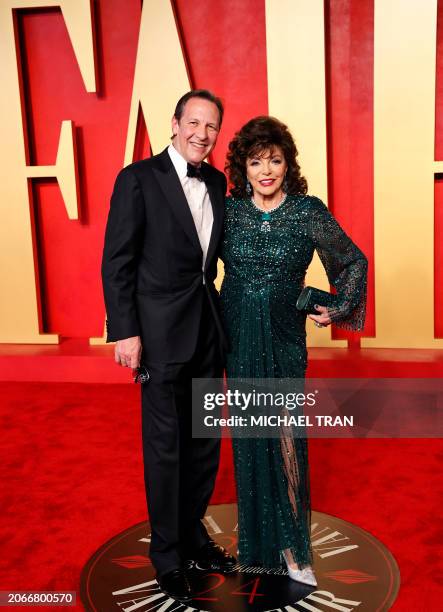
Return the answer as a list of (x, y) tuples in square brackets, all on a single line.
[(266, 172)]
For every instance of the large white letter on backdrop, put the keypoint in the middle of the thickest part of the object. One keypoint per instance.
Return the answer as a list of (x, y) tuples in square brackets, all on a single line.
[(19, 306)]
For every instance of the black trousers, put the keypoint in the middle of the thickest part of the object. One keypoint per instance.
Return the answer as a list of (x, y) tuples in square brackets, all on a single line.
[(180, 470)]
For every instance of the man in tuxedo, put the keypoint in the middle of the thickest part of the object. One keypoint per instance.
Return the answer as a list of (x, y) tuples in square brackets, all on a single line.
[(159, 265)]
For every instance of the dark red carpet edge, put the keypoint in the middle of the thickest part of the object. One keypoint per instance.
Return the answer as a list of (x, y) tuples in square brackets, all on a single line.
[(72, 479)]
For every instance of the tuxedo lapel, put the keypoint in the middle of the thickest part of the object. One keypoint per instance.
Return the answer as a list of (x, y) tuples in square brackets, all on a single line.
[(173, 191)]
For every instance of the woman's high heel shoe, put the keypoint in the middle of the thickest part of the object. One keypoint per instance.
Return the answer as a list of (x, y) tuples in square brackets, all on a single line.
[(305, 575)]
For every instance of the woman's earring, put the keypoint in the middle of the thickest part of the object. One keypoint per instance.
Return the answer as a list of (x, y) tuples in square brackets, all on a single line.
[(285, 184), (248, 188)]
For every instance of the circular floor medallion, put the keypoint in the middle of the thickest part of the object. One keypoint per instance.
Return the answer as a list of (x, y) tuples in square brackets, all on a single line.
[(354, 570)]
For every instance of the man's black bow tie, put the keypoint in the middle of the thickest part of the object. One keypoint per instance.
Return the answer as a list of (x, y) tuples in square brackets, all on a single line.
[(195, 172)]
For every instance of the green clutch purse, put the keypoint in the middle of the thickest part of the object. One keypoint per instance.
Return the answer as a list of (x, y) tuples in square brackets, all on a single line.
[(311, 296)]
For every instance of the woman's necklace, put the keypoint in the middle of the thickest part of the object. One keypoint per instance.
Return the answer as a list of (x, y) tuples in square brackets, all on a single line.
[(266, 214)]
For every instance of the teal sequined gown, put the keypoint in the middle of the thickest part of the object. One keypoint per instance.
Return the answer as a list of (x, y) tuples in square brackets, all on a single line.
[(265, 260)]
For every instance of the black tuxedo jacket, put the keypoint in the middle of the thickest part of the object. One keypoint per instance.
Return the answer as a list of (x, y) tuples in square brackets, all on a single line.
[(152, 260)]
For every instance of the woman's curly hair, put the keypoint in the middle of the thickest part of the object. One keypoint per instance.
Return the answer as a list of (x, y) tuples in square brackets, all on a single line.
[(258, 135)]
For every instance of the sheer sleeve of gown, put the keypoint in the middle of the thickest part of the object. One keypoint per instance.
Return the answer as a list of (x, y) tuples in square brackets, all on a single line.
[(346, 267)]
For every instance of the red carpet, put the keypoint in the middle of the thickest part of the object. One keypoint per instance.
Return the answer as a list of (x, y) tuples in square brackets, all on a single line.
[(72, 478)]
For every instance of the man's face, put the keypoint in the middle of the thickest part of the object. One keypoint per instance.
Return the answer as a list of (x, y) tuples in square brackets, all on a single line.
[(196, 133)]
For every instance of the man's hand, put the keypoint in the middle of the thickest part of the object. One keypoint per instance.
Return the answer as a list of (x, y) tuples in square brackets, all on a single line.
[(128, 351), (322, 319)]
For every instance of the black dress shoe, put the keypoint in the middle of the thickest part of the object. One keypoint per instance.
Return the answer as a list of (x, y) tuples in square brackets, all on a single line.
[(175, 584), (215, 557)]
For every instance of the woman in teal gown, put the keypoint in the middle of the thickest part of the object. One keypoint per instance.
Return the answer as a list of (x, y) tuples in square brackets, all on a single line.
[(272, 228)]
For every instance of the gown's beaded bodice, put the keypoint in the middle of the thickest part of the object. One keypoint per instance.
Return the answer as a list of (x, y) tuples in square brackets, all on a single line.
[(265, 268)]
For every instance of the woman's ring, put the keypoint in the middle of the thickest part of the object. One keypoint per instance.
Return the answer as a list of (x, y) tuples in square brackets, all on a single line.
[(317, 324)]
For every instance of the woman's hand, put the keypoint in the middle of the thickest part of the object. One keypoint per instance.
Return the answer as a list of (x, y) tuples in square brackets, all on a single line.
[(322, 319)]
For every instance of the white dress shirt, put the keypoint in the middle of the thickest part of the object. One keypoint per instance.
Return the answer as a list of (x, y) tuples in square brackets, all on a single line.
[(198, 200)]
